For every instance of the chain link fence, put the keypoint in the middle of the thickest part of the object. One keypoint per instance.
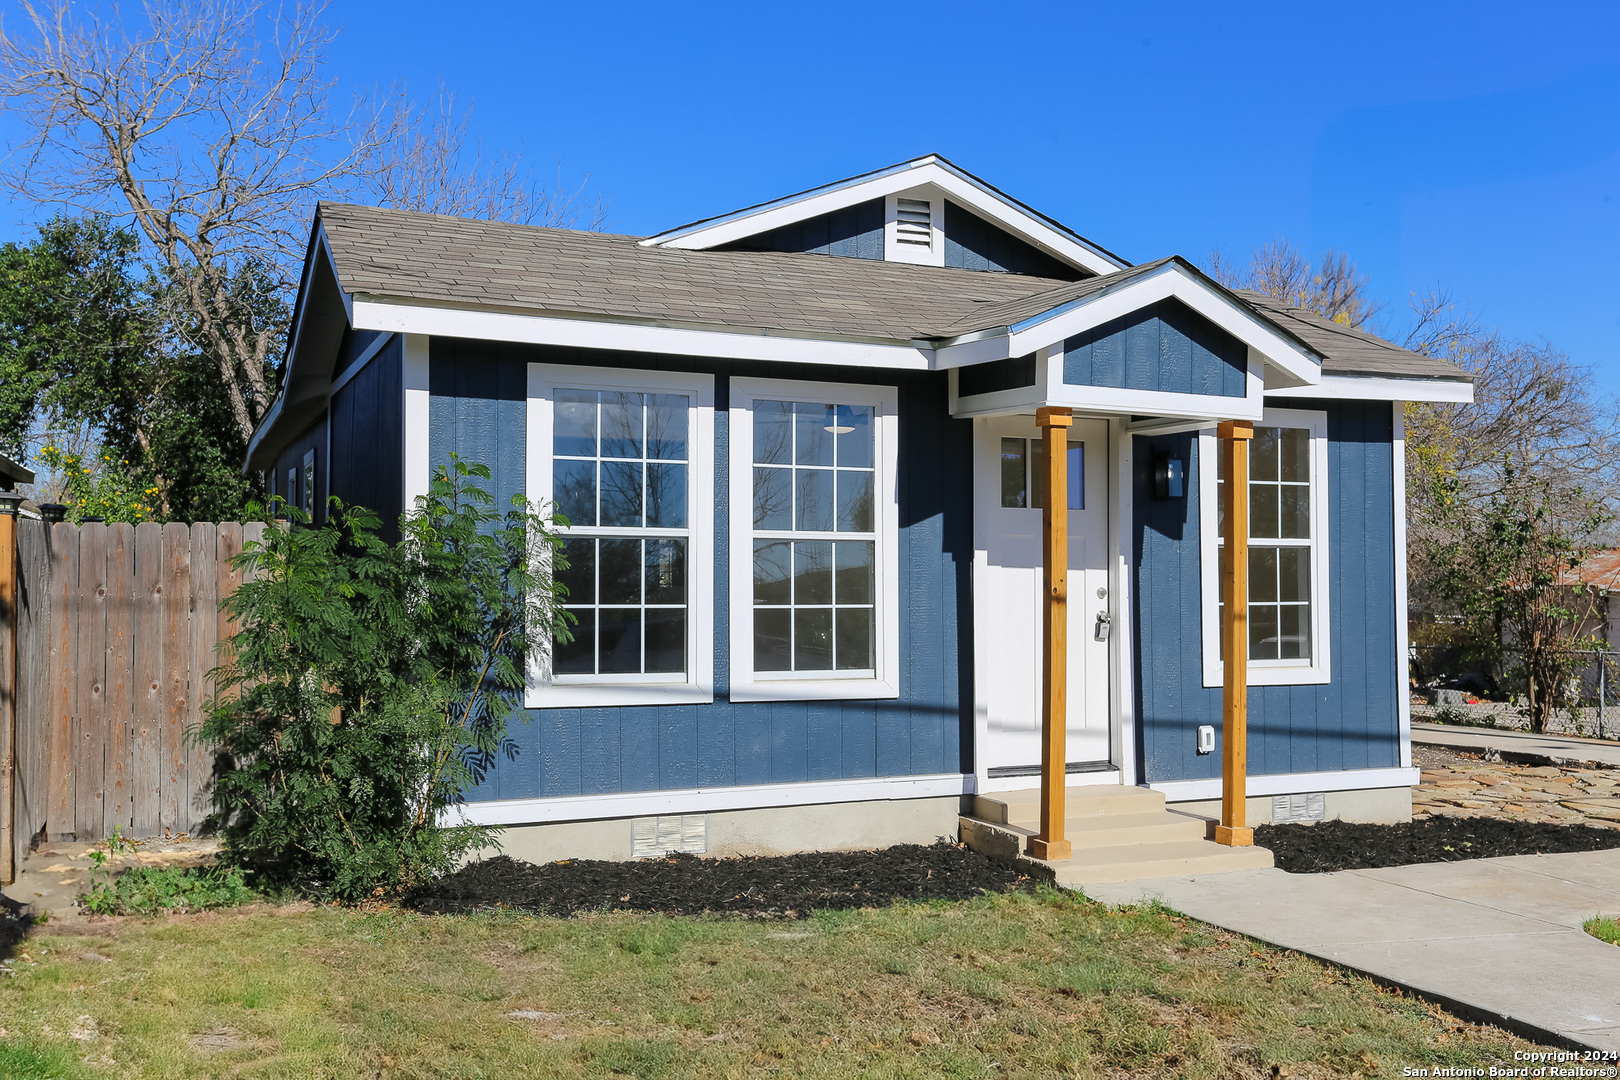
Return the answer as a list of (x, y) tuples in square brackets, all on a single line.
[(1447, 691)]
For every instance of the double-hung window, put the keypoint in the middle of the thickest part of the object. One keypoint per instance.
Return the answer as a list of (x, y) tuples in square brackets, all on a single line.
[(625, 458), (814, 541), (1288, 551)]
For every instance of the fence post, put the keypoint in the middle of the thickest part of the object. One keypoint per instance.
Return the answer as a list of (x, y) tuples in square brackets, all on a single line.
[(9, 502), (1603, 691)]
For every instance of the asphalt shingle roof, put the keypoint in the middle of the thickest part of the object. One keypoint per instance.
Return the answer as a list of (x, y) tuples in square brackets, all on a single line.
[(405, 255)]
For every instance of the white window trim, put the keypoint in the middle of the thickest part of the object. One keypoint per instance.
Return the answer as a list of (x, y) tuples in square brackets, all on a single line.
[(885, 683), (697, 687), (1319, 669)]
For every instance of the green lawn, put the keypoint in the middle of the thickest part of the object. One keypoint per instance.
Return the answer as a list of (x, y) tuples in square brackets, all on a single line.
[(1050, 985)]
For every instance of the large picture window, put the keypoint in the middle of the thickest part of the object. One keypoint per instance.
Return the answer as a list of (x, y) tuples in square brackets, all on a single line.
[(813, 540), (623, 458), (1287, 636)]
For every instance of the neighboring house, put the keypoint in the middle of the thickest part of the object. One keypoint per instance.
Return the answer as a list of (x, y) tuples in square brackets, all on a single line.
[(796, 443)]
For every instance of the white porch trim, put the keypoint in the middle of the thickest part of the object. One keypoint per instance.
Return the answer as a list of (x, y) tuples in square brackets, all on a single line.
[(706, 800), (1292, 783), (1372, 388)]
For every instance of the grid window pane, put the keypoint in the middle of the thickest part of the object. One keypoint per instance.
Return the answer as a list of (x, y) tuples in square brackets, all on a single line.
[(854, 501), (812, 639), (666, 496), (573, 423), (813, 427), (773, 499), (854, 646), (772, 583), (620, 462), (773, 639), (813, 500), (773, 433), (622, 418), (854, 572), (1075, 475), (812, 572), (666, 639), (619, 631), (577, 657), (854, 436), (1294, 574), (574, 491), (1294, 512), (621, 493)]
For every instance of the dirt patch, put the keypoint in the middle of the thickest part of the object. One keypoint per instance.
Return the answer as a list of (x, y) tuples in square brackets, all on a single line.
[(762, 887), (1341, 845), (221, 1040)]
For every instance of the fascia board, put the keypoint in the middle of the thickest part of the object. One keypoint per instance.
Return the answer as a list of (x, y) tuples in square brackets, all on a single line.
[(986, 204), (1379, 388), (378, 313)]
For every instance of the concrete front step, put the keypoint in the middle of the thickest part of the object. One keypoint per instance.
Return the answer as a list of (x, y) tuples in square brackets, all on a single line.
[(1117, 834), (1137, 861), (1024, 807)]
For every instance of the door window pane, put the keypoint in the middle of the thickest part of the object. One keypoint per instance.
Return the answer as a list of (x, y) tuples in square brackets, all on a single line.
[(1015, 473)]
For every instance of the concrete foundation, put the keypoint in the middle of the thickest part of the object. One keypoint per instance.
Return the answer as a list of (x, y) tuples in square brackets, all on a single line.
[(1380, 806), (774, 830)]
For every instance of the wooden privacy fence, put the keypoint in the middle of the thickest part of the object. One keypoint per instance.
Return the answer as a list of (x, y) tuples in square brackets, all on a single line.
[(117, 627)]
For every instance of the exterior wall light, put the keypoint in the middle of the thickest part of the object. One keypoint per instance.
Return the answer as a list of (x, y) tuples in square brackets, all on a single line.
[(1167, 478)]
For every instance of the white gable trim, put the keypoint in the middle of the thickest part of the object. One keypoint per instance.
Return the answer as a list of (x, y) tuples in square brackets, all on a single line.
[(1379, 388), (962, 188), (1292, 363), (375, 313)]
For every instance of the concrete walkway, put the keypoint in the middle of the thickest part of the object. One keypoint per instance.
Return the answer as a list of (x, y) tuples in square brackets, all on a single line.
[(1496, 940), (1545, 749)]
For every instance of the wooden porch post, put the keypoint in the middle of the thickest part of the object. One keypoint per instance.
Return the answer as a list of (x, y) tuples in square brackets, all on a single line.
[(1054, 424), (1234, 436), (9, 502)]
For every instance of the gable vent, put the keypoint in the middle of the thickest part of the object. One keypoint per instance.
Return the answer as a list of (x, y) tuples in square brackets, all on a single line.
[(914, 222)]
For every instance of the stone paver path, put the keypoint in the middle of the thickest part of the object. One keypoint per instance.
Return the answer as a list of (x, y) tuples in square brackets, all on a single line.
[(1463, 784)]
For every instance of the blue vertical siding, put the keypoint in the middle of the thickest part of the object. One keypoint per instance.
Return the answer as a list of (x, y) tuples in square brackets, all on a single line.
[(972, 243), (1349, 723), (1166, 346), (367, 466), (855, 232), (477, 410)]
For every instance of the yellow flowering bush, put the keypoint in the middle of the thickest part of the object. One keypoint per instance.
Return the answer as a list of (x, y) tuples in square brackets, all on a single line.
[(107, 491)]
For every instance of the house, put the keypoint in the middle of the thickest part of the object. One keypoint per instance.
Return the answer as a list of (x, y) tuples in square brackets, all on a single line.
[(798, 446)]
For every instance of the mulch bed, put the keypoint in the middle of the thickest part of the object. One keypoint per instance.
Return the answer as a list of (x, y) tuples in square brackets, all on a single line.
[(780, 886), (1339, 845)]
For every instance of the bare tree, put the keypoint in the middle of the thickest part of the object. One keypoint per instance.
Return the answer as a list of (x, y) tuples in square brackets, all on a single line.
[(428, 166), (1333, 289), (210, 124)]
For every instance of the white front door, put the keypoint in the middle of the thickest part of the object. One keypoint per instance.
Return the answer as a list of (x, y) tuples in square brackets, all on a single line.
[(1008, 593)]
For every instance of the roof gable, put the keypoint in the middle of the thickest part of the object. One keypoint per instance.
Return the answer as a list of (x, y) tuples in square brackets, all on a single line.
[(925, 177)]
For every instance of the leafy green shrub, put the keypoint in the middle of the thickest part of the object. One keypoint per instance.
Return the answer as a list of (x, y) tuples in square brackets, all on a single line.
[(152, 890), (371, 684)]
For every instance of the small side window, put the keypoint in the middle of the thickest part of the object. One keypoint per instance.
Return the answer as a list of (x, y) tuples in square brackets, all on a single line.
[(308, 491)]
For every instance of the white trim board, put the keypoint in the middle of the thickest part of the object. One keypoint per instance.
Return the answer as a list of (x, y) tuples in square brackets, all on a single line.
[(417, 458), (706, 800), (1370, 388), (1403, 654), (1292, 783), (962, 188), (378, 313)]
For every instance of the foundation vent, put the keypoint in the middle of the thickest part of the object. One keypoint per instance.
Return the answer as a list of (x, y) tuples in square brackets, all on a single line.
[(1286, 809), (653, 836), (914, 222)]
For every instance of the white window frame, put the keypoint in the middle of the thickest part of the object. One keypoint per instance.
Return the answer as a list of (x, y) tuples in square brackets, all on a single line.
[(1319, 668), (818, 686), (696, 686)]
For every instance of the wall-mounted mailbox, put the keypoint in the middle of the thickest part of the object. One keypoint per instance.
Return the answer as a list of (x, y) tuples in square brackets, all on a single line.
[(1167, 477)]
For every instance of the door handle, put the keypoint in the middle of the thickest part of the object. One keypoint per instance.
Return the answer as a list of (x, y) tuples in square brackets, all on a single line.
[(1105, 623)]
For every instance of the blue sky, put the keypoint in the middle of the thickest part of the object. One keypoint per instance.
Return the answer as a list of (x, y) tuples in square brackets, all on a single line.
[(1471, 146)]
